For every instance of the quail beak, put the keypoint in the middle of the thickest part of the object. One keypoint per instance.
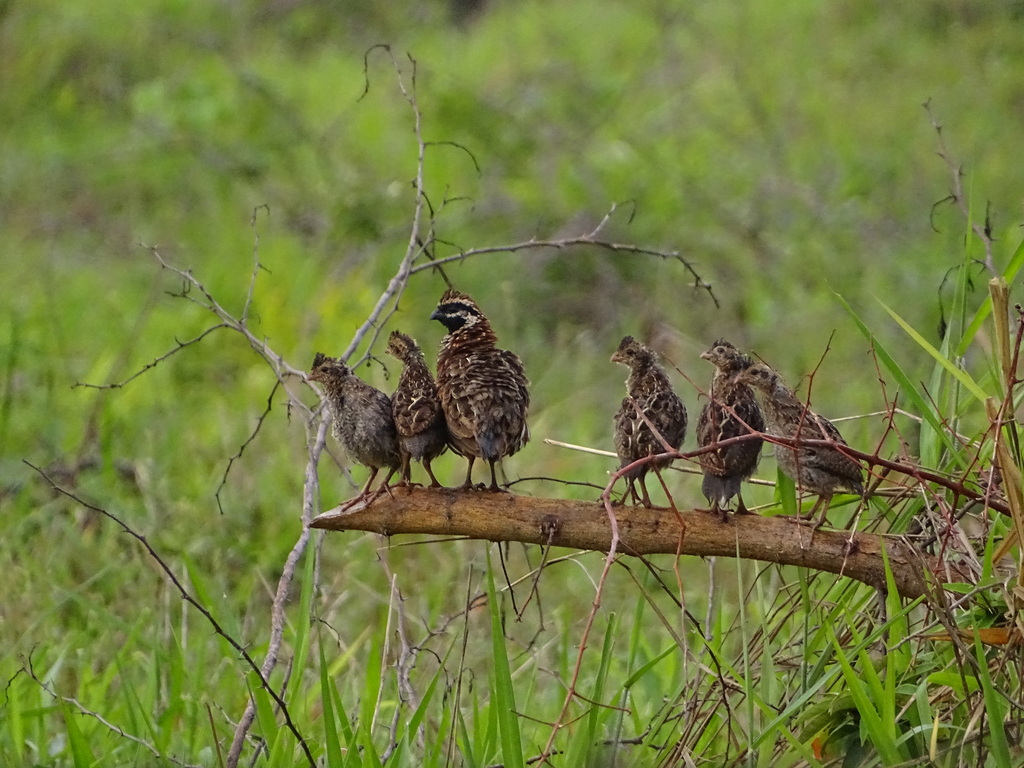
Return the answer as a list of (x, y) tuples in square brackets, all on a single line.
[(705, 355), (617, 358), (434, 315)]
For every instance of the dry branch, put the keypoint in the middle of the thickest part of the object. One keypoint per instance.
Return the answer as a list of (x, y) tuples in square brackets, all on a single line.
[(585, 525)]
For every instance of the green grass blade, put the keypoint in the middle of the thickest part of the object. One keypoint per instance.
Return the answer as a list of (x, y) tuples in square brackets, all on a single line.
[(1015, 264), (207, 596), (265, 719), (372, 682), (933, 427), (505, 701), (995, 709), (958, 373), (467, 746), (897, 633), (300, 642), (863, 699), (983, 312), (81, 754), (428, 695), (370, 757), (647, 667), (785, 490), (584, 748), (332, 739), (13, 719)]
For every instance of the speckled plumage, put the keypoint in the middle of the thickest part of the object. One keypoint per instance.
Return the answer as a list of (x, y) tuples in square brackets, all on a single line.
[(483, 389), (648, 388), (363, 422), (819, 469), (726, 468), (422, 430)]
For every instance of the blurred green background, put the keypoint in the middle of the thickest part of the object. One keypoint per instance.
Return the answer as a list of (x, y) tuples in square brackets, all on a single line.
[(780, 147)]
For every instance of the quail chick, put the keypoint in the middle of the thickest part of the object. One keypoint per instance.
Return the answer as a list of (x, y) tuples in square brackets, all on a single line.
[(363, 423), (731, 405), (649, 392), (483, 389), (816, 468), (422, 431)]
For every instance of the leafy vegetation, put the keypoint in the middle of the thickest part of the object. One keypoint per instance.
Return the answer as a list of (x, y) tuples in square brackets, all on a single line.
[(780, 148)]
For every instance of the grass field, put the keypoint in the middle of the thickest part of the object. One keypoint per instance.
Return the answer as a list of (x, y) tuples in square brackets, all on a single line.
[(781, 149)]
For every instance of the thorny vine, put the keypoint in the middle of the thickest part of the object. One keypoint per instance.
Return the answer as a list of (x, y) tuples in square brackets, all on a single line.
[(29, 669), (194, 602)]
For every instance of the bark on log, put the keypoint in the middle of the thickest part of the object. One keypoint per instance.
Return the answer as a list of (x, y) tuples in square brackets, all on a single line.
[(585, 525)]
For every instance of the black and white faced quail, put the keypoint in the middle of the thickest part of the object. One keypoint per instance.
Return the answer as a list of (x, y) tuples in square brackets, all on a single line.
[(483, 389)]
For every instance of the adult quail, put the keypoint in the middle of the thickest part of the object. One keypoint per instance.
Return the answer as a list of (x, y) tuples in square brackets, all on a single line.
[(483, 389), (819, 469), (363, 423), (649, 399), (422, 431), (731, 411)]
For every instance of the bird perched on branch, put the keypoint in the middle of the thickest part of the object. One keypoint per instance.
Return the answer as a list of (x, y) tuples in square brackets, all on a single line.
[(650, 402), (820, 469), (483, 389), (422, 431), (731, 411), (363, 422)]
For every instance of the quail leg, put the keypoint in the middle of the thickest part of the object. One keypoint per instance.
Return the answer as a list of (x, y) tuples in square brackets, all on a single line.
[(469, 475), (433, 480), (494, 487)]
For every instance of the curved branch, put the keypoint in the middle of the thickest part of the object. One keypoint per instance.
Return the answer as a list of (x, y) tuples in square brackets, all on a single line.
[(585, 525), (591, 239)]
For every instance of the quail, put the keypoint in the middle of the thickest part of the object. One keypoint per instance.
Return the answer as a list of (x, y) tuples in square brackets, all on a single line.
[(731, 411), (422, 431), (483, 389), (363, 422), (649, 398), (819, 469)]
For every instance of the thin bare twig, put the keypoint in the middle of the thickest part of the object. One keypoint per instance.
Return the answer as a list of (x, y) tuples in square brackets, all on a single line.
[(178, 347), (244, 445), (256, 266), (29, 670), (983, 231), (589, 239)]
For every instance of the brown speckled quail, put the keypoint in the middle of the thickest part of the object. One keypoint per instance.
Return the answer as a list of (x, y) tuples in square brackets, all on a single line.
[(726, 468), (422, 431), (649, 390), (483, 389), (363, 423), (818, 469)]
